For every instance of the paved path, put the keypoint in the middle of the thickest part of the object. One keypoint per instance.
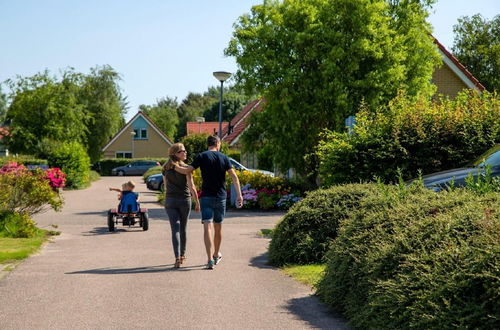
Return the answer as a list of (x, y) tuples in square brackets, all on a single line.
[(88, 278)]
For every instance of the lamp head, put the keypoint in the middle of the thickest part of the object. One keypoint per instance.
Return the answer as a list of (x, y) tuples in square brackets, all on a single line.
[(222, 75)]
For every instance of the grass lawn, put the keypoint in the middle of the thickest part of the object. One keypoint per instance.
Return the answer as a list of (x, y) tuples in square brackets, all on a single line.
[(20, 248), (308, 274)]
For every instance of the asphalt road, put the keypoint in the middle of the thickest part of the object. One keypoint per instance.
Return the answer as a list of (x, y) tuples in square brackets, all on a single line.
[(89, 278)]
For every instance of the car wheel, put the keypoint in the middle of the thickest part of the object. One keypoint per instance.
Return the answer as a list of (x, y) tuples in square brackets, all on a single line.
[(121, 173)]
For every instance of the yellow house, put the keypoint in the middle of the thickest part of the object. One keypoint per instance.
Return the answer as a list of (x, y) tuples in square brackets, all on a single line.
[(139, 138)]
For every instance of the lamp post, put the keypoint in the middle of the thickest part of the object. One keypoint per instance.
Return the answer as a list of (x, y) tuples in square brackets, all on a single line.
[(221, 76), (133, 136)]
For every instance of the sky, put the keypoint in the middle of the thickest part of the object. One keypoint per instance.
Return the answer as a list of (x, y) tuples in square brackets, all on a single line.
[(160, 47)]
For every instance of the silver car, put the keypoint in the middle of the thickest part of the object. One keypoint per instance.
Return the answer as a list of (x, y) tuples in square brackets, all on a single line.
[(138, 167)]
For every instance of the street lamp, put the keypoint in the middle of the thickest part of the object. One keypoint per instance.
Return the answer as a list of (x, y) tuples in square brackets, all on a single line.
[(133, 136), (221, 76)]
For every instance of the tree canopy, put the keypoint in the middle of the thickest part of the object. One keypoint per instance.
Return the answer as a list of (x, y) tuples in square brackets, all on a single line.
[(3, 105), (317, 61), (87, 109), (477, 47), (164, 115)]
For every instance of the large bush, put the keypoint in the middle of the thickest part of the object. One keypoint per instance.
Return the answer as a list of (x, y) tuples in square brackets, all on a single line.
[(419, 260), (196, 143), (305, 233), (412, 136), (72, 159)]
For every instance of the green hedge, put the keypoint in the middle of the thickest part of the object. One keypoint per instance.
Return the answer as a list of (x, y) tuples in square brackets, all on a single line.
[(23, 159), (412, 136), (306, 231), (104, 166), (151, 171), (73, 160), (417, 261)]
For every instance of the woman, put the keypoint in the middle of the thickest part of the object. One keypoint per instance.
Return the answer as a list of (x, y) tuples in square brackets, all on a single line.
[(180, 189)]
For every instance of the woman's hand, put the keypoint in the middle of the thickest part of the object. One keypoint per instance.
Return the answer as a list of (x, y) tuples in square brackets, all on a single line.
[(197, 207)]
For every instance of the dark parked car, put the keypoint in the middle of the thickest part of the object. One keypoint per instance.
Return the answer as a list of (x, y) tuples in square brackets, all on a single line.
[(155, 182), (138, 167), (442, 180)]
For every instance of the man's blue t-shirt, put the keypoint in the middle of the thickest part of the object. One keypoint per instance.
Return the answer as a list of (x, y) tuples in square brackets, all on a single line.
[(213, 165)]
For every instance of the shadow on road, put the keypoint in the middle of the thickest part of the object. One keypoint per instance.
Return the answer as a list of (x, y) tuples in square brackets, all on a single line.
[(261, 261), (312, 310), (137, 270), (105, 231)]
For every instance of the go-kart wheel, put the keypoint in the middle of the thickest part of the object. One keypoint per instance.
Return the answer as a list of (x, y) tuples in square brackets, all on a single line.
[(111, 222), (145, 221)]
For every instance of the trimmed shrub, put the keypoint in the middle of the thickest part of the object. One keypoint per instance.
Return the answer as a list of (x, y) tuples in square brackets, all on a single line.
[(234, 154), (419, 260), (305, 233), (72, 159), (411, 135), (196, 143), (151, 171)]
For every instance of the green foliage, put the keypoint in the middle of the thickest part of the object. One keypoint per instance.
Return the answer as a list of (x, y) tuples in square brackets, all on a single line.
[(420, 260), (107, 164), (196, 143), (17, 225), (23, 159), (87, 109), (72, 159), (44, 108), (3, 105), (316, 61), (191, 107), (307, 274), (232, 103), (20, 248), (164, 115), (412, 136), (100, 95), (477, 47), (483, 184), (26, 192), (305, 233), (234, 154)]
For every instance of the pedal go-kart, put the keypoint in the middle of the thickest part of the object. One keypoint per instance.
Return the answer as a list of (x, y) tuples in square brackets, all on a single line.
[(128, 214)]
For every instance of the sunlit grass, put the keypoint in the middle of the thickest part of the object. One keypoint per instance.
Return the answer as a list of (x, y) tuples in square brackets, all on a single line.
[(20, 248), (307, 274)]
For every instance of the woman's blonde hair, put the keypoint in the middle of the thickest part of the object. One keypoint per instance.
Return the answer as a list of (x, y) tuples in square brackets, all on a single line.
[(172, 156)]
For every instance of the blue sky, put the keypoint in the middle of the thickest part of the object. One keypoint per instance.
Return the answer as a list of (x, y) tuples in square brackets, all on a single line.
[(160, 47)]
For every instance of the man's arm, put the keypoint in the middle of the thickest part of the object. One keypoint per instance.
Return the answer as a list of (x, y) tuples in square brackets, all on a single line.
[(236, 183), (184, 170)]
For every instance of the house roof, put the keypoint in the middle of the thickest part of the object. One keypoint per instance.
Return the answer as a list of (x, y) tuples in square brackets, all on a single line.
[(211, 127), (240, 122), (127, 125), (454, 64)]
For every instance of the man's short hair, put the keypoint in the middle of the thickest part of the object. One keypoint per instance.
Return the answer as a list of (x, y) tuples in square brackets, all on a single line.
[(212, 140)]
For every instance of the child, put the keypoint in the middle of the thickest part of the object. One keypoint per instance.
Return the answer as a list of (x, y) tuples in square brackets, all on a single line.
[(128, 198)]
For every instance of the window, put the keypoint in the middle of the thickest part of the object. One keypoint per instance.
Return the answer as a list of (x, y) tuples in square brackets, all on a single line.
[(123, 154), (140, 133), (144, 133)]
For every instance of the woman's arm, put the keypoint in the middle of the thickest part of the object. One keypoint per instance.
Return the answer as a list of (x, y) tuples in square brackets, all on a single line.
[(194, 193)]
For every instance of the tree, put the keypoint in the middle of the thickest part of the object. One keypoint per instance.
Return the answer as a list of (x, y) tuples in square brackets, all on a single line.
[(232, 103), (44, 108), (101, 97), (477, 47), (3, 106), (164, 115), (317, 61)]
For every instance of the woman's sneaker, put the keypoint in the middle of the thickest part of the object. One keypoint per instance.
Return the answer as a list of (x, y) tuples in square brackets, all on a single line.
[(217, 259), (210, 265)]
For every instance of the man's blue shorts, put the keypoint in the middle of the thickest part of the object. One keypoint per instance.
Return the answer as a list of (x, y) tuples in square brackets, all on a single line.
[(212, 209)]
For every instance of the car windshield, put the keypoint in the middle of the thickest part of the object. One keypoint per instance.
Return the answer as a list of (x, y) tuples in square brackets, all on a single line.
[(490, 157)]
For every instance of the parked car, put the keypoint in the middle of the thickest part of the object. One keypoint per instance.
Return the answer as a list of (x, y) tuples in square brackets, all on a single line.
[(138, 167), (155, 182), (240, 167), (442, 180)]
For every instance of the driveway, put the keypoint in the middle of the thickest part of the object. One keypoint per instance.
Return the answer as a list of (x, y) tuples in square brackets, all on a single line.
[(89, 278)]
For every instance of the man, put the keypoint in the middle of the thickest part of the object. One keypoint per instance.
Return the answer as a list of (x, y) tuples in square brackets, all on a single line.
[(213, 165)]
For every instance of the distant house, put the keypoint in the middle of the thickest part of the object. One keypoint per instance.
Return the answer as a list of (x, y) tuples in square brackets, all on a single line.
[(4, 152), (211, 127), (452, 77), (139, 138)]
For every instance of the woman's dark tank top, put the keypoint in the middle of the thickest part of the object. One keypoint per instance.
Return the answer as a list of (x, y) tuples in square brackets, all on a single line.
[(177, 186)]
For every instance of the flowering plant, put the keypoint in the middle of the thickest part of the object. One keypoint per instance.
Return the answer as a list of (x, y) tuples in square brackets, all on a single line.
[(286, 201), (13, 168), (249, 196), (56, 177)]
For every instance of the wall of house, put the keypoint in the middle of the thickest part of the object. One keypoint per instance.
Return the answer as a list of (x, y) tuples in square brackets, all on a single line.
[(447, 82), (153, 146)]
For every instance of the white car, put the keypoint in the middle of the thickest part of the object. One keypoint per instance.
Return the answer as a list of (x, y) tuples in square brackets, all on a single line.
[(238, 166)]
